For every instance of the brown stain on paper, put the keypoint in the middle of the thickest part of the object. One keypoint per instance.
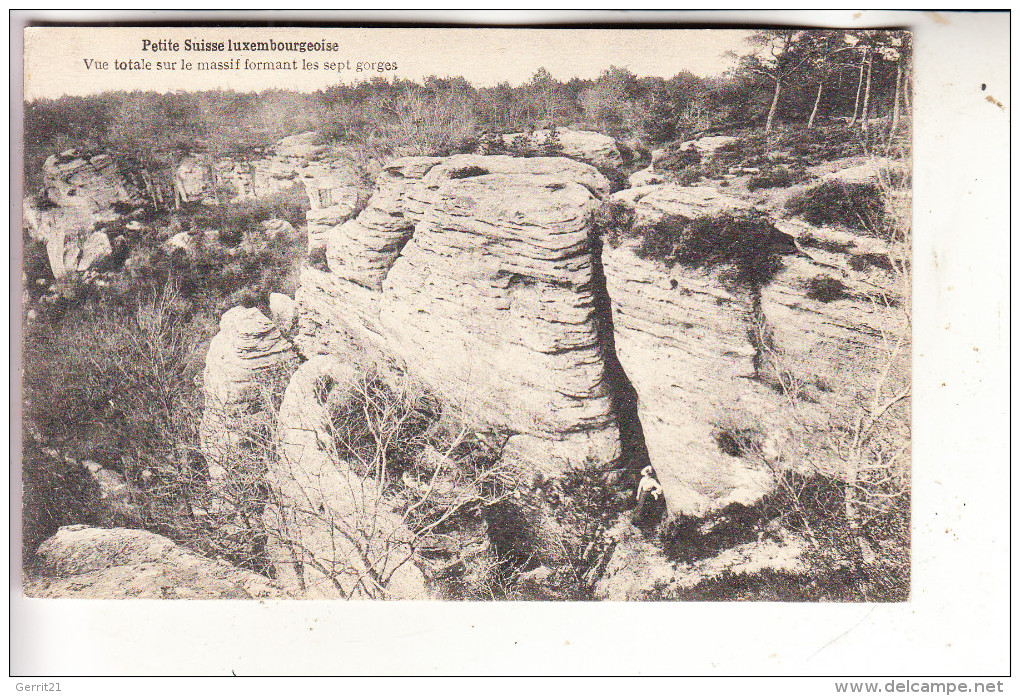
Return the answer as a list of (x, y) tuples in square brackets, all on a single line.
[(995, 101)]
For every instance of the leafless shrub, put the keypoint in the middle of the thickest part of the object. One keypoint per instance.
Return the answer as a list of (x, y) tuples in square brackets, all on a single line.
[(423, 124), (381, 486)]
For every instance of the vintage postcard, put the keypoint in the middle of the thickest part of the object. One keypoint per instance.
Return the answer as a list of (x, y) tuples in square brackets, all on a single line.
[(306, 322), (616, 313)]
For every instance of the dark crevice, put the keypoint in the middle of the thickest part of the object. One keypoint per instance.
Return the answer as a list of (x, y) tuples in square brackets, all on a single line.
[(622, 394)]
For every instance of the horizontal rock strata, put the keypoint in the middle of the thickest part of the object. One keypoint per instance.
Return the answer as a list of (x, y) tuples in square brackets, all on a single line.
[(711, 361), (682, 339), (476, 271), (247, 354), (592, 148)]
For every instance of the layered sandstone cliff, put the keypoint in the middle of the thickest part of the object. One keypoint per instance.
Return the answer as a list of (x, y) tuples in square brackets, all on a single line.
[(736, 382), (487, 262), (247, 355)]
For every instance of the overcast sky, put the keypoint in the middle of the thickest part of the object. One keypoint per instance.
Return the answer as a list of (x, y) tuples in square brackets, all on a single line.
[(54, 57)]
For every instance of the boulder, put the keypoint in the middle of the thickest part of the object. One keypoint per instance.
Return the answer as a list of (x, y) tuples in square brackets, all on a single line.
[(62, 230), (87, 180), (645, 177), (85, 562), (713, 360), (277, 229), (95, 250), (596, 149), (183, 242), (283, 310), (708, 145)]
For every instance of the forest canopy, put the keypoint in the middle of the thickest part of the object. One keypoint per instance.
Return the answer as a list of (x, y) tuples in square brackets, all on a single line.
[(784, 77)]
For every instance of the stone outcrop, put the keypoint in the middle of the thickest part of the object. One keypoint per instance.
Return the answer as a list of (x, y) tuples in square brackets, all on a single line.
[(88, 180), (95, 250), (487, 262), (708, 144), (646, 177), (300, 146), (82, 192), (859, 170), (247, 354), (649, 204), (703, 353), (362, 250), (333, 534), (200, 178), (596, 149), (84, 562), (334, 183), (194, 181), (480, 274), (682, 339), (336, 192), (638, 570), (828, 311)]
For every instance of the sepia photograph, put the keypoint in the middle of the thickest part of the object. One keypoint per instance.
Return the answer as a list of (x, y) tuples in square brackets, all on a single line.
[(467, 314), (631, 336)]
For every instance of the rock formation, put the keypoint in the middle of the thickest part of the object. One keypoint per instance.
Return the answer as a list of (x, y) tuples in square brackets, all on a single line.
[(682, 339), (708, 144), (638, 570), (487, 262), (247, 354), (283, 310), (334, 183), (596, 149), (82, 191), (704, 354), (194, 181), (481, 277), (649, 204), (859, 170), (336, 193), (84, 562)]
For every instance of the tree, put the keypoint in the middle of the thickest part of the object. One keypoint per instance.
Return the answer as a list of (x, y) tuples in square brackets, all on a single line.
[(674, 106), (610, 102), (782, 53), (898, 50), (827, 49), (879, 68)]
